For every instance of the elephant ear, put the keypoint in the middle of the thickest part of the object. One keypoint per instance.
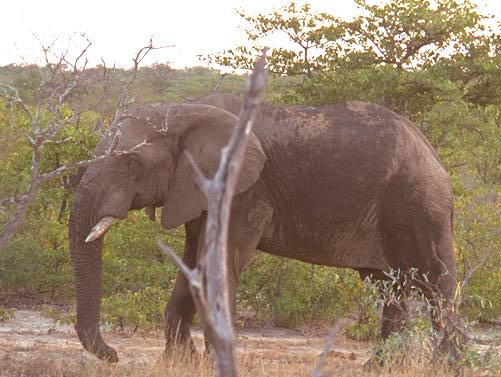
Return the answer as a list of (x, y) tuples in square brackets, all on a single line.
[(184, 200)]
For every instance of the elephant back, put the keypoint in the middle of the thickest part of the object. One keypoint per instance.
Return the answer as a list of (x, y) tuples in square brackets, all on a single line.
[(227, 101)]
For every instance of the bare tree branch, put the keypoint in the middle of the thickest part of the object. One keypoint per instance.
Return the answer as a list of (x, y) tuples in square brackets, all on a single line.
[(202, 182), (208, 281), (471, 271), (219, 82), (123, 97), (175, 258), (79, 164), (37, 179), (52, 93)]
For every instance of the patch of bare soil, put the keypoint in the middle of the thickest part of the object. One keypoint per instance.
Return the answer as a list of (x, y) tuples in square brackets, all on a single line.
[(32, 344), (31, 333)]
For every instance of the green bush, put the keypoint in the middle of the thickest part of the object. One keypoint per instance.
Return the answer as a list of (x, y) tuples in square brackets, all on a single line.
[(133, 310), (291, 292), (478, 232)]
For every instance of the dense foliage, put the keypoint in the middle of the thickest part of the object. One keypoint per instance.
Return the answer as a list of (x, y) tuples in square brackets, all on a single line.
[(440, 65)]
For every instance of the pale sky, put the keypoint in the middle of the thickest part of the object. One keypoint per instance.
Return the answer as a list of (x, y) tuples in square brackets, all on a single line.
[(120, 28)]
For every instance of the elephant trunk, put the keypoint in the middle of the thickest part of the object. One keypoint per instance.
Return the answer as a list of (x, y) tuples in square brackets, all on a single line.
[(86, 259)]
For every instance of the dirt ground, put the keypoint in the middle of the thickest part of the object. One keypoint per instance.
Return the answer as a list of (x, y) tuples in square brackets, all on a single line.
[(31, 333), (33, 344)]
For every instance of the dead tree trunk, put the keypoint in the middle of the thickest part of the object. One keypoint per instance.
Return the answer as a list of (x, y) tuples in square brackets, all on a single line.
[(208, 281)]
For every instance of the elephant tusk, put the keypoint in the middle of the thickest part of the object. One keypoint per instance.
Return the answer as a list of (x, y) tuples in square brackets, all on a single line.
[(100, 228)]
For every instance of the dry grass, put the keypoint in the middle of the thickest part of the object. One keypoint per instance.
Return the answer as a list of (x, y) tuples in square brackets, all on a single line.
[(31, 345), (62, 363)]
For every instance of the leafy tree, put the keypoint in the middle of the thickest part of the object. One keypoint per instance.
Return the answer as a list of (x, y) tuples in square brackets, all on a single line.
[(310, 35), (409, 33)]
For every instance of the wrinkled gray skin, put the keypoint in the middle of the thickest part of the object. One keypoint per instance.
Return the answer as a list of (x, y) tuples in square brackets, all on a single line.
[(352, 185)]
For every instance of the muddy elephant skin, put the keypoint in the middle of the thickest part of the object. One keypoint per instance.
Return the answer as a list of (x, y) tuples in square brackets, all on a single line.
[(351, 185)]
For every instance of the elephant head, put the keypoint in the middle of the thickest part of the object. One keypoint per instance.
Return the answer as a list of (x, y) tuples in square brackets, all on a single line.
[(156, 174)]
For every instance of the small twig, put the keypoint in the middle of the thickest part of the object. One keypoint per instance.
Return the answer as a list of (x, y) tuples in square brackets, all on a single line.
[(175, 258), (140, 56), (328, 345), (473, 270), (74, 65), (15, 99), (114, 140), (92, 161), (199, 176), (12, 200), (219, 82), (58, 142)]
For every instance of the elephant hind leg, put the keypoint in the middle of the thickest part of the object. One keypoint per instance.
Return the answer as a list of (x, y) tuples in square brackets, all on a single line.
[(395, 317), (440, 291), (437, 279), (423, 241)]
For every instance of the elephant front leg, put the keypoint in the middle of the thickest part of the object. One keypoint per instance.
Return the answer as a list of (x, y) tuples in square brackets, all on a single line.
[(248, 222), (179, 314), (396, 308), (249, 219), (180, 309)]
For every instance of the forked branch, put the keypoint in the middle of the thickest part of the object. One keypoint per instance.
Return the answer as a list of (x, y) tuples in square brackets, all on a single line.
[(57, 85), (208, 281)]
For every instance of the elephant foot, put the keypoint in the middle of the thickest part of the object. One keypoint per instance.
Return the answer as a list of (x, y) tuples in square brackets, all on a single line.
[(450, 339), (180, 349), (93, 342), (103, 352), (108, 354), (372, 365), (186, 354), (375, 363), (449, 349)]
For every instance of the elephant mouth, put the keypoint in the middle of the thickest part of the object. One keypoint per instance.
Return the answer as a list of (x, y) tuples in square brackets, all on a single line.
[(100, 228), (106, 222)]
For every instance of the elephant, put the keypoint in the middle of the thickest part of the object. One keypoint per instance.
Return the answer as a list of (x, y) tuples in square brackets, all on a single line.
[(351, 185)]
